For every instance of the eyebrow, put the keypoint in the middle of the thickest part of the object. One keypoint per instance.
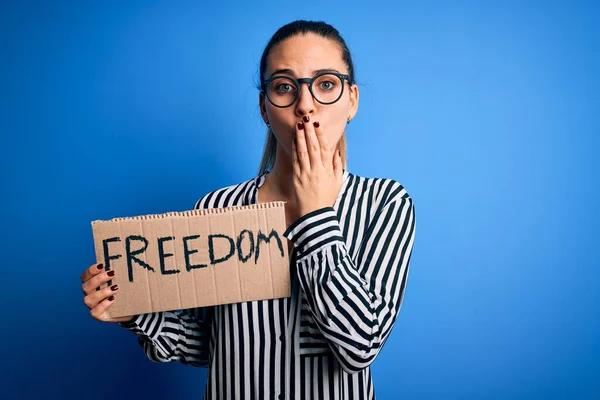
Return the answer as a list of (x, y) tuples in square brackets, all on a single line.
[(290, 72)]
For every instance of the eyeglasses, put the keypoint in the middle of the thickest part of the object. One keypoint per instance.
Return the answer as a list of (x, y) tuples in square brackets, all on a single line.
[(282, 91)]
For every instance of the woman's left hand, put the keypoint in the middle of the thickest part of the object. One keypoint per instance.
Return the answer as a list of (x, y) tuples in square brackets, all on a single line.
[(317, 166)]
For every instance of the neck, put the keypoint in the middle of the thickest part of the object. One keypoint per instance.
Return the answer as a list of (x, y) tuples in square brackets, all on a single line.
[(280, 178)]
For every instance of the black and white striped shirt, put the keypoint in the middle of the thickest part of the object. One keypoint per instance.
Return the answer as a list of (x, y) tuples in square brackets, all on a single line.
[(349, 267)]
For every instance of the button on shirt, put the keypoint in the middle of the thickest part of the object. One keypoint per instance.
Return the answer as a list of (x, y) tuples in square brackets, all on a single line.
[(349, 266)]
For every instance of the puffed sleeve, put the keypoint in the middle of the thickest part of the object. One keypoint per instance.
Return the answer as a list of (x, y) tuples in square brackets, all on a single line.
[(355, 301)]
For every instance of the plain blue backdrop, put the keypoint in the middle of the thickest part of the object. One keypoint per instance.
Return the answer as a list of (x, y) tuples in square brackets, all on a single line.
[(487, 112)]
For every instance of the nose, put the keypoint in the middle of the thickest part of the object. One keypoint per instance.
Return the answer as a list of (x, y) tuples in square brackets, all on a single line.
[(305, 104)]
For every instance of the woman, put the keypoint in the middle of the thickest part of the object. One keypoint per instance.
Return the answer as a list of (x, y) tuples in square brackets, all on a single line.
[(352, 240)]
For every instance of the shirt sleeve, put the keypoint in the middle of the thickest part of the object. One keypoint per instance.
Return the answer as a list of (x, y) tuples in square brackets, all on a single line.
[(181, 335), (355, 301)]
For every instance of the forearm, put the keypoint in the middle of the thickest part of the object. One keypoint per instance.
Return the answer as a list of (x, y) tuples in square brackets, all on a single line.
[(173, 336)]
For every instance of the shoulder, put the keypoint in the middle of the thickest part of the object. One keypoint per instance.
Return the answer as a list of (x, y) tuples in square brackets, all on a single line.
[(380, 190), (228, 196)]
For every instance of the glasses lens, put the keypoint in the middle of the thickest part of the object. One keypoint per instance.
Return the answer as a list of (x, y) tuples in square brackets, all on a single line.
[(282, 91), (327, 88)]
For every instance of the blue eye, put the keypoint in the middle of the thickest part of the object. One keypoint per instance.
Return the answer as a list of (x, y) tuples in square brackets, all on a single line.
[(284, 87), (327, 85)]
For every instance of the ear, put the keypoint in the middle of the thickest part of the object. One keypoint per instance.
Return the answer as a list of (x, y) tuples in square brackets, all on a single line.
[(263, 107), (354, 96)]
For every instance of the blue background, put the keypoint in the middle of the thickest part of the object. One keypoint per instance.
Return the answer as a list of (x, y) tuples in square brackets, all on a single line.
[(487, 112)]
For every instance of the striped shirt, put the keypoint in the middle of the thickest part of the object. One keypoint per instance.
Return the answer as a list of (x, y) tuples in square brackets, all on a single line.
[(348, 265)]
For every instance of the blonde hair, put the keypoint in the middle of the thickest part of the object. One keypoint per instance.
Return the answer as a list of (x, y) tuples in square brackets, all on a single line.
[(270, 151)]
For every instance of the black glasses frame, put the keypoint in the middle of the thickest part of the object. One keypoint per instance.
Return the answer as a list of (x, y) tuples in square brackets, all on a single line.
[(310, 81)]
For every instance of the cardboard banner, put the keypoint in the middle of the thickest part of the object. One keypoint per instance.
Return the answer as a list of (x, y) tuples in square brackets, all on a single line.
[(195, 258)]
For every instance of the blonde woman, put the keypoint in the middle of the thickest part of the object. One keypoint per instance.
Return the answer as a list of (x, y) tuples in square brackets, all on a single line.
[(350, 241)]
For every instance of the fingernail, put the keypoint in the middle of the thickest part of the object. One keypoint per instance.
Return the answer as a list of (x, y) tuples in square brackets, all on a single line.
[(100, 266), (114, 287), (111, 298), (306, 118), (316, 124), (111, 273), (300, 125)]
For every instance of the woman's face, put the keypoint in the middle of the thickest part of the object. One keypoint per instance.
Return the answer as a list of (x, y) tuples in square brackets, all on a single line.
[(301, 56)]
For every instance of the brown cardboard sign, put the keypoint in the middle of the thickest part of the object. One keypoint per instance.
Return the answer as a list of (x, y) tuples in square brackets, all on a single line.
[(195, 258)]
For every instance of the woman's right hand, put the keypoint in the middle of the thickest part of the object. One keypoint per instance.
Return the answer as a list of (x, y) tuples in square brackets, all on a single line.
[(98, 301)]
